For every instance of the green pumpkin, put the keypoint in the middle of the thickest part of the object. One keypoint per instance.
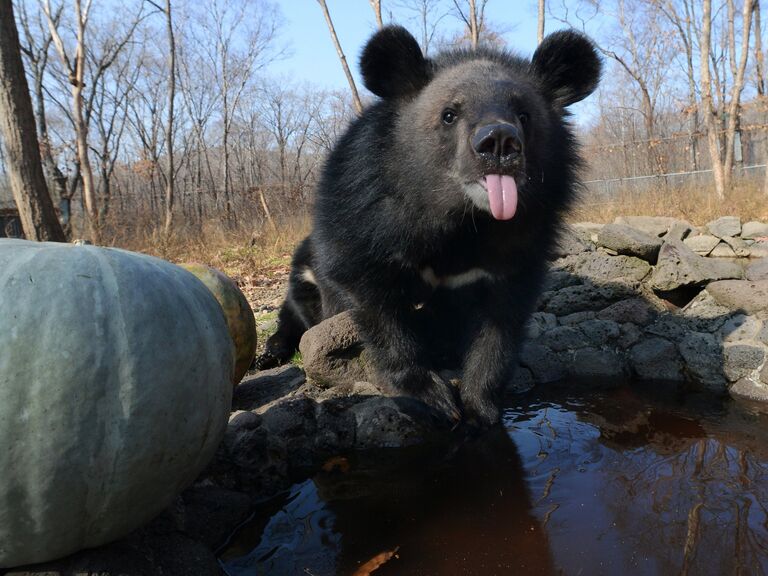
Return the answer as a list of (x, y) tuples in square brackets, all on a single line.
[(115, 390), (237, 311)]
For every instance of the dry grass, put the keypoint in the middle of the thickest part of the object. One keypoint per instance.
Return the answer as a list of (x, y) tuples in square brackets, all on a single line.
[(696, 205), (258, 258), (233, 250)]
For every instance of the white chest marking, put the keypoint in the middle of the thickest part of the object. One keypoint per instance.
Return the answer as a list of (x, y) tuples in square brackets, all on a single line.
[(455, 280), (308, 276)]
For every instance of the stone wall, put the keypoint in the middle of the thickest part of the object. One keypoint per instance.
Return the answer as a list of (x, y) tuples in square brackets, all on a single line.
[(656, 298)]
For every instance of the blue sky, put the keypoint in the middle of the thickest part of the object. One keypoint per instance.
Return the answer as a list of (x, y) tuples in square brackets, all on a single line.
[(312, 57)]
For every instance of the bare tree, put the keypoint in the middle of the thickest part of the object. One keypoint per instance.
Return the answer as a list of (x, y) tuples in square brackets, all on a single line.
[(540, 28), (376, 5), (722, 161), (36, 48), (473, 17), (428, 15), (240, 47), (759, 71), (170, 174), (75, 68), (686, 35), (342, 58), (30, 192)]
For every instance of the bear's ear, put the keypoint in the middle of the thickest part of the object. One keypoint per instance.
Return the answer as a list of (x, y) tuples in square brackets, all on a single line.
[(392, 63), (567, 64)]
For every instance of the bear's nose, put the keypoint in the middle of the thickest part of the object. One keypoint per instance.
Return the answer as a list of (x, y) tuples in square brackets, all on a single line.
[(497, 142)]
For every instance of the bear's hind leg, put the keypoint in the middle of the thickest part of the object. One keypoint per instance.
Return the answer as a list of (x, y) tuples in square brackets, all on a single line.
[(301, 310)]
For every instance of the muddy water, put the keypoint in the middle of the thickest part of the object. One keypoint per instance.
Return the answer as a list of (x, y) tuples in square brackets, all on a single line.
[(617, 481)]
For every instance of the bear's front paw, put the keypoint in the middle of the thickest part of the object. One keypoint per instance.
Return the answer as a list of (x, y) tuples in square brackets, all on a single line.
[(429, 388), (265, 362), (480, 411)]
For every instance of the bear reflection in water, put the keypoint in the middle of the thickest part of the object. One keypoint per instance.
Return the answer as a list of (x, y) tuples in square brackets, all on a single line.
[(603, 482)]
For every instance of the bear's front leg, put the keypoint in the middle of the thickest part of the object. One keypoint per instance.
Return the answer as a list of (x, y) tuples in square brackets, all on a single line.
[(490, 362), (386, 319)]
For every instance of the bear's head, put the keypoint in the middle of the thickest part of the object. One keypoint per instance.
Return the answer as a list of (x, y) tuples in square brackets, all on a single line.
[(482, 126)]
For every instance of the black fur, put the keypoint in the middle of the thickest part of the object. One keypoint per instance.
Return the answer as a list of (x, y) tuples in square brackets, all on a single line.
[(392, 63), (394, 213)]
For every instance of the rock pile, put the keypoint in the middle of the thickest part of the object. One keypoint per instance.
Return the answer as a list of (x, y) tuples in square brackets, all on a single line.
[(656, 298)]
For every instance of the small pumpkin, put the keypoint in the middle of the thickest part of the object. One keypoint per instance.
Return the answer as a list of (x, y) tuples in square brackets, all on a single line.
[(237, 311), (115, 391)]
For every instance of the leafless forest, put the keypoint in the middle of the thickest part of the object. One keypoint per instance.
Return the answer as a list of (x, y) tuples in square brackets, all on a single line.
[(159, 118)]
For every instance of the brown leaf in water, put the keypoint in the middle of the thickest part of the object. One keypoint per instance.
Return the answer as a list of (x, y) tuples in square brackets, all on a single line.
[(376, 562), (336, 463)]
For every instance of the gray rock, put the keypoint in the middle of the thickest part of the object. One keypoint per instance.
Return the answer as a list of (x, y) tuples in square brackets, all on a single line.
[(544, 364), (754, 229), (758, 250), (569, 243), (669, 326), (757, 270), (763, 335), (629, 241), (544, 320), (745, 295), (587, 231), (600, 267), (522, 381), (741, 359), (703, 356), (635, 310), (576, 318), (591, 363), (656, 359), (725, 226), (740, 327), (740, 247), (722, 250), (331, 351), (629, 335), (654, 225), (557, 279), (679, 230), (703, 309), (380, 423), (563, 338), (581, 298), (264, 387), (749, 389), (679, 266), (702, 244), (600, 333)]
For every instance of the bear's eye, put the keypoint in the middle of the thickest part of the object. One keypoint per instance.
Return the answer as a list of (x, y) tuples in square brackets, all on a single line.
[(523, 117), (449, 116)]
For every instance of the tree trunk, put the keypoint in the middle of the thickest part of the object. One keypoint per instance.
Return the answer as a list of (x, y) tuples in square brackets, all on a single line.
[(734, 106), (474, 29), (376, 5), (706, 101), (171, 175), (81, 129), (355, 96), (540, 32), (30, 192), (759, 70)]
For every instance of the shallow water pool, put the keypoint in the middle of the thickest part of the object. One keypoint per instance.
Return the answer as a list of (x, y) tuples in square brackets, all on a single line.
[(621, 480)]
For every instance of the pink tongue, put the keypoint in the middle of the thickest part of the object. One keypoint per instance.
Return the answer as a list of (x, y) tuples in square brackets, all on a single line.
[(502, 194)]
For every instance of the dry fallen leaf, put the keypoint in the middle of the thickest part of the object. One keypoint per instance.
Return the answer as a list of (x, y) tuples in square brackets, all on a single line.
[(336, 463), (376, 562)]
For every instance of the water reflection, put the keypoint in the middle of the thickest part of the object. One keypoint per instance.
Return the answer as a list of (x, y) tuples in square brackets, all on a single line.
[(580, 482)]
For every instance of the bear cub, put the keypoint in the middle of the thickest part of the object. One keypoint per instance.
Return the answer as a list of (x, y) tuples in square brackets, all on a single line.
[(437, 211)]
